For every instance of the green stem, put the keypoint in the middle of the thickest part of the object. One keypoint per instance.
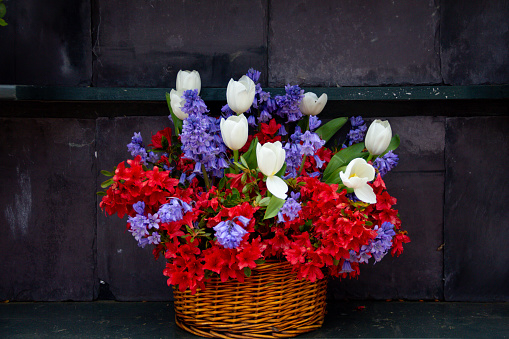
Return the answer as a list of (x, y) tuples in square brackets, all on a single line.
[(369, 157), (301, 168), (236, 159), (205, 177)]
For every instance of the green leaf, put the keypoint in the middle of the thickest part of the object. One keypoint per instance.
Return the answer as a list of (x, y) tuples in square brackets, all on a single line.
[(3, 10), (177, 123), (243, 161), (101, 194), (393, 145), (106, 173), (247, 271), (264, 202), (164, 143), (2, 22), (107, 183), (342, 158), (260, 261), (273, 208), (250, 155), (329, 129)]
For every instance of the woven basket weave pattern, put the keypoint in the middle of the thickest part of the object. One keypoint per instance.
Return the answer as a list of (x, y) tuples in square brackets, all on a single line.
[(271, 303)]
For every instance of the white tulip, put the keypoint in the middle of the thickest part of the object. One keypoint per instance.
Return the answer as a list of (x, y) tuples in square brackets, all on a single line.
[(187, 80), (240, 94), (378, 137), (176, 102), (311, 104), (356, 176), (234, 131), (271, 157)]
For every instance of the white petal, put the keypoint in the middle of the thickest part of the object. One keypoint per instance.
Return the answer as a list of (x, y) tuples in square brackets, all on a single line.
[(238, 137), (366, 194), (266, 160), (277, 186)]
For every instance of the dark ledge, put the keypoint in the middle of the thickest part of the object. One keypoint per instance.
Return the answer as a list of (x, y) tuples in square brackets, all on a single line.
[(50, 93), (109, 319)]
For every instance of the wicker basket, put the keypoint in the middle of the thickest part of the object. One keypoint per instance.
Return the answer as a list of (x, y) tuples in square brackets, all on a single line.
[(271, 303)]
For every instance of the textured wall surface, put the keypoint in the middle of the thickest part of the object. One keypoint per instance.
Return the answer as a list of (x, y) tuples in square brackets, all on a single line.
[(47, 217), (145, 43), (46, 43), (476, 193)]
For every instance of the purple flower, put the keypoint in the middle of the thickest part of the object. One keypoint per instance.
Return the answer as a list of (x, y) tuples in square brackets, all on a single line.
[(312, 143), (229, 234), (290, 209), (139, 207), (386, 163), (193, 102), (378, 247), (293, 158), (357, 121), (202, 142), (135, 147), (358, 131), (154, 238), (138, 227), (347, 267), (289, 103), (251, 121), (314, 122), (254, 74), (173, 210)]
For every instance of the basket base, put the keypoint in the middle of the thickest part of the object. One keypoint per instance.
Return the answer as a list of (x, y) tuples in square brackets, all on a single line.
[(271, 303)]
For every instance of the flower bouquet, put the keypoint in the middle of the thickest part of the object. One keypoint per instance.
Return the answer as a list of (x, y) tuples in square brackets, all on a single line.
[(255, 198)]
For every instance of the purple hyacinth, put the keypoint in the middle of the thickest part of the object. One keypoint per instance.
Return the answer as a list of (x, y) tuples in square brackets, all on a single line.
[(386, 163), (135, 147), (378, 247), (346, 268), (289, 103), (201, 137), (358, 131), (311, 143), (254, 75), (173, 210), (314, 122), (229, 234), (290, 209)]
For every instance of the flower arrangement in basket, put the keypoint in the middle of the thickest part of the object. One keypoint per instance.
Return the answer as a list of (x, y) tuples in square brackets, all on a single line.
[(221, 198)]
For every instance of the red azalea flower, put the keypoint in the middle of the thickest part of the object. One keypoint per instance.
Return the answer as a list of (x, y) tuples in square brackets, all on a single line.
[(157, 138)]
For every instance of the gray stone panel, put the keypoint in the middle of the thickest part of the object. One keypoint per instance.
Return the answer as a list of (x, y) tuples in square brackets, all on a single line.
[(46, 43), (476, 214), (353, 43), (417, 273), (146, 43), (131, 272), (474, 38), (47, 202)]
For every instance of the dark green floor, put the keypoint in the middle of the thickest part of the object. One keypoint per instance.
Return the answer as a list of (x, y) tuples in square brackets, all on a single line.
[(108, 319)]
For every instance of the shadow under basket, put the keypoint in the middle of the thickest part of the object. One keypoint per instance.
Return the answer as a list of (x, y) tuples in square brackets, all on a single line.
[(271, 303)]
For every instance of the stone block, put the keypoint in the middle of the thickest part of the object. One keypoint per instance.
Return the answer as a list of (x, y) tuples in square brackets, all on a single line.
[(147, 43), (474, 42), (352, 43), (47, 201), (476, 194), (46, 43)]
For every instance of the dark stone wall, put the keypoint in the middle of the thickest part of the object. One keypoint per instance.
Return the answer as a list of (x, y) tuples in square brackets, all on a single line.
[(314, 43), (450, 184)]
